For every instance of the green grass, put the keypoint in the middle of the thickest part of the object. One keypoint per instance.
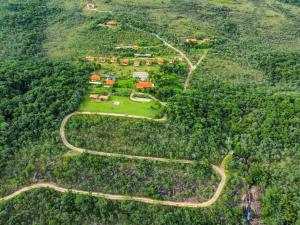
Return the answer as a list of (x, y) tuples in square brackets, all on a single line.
[(126, 107)]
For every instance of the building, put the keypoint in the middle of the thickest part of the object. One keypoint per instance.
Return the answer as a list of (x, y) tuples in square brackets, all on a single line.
[(102, 59), (137, 63), (142, 55), (90, 58), (114, 59), (125, 62), (104, 97), (111, 23), (149, 62), (191, 40), (160, 61), (95, 79), (109, 83), (135, 47), (98, 98), (142, 85), (94, 97), (90, 6), (141, 75)]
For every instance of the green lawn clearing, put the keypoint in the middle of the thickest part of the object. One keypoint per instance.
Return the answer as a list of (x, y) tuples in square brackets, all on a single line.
[(126, 106)]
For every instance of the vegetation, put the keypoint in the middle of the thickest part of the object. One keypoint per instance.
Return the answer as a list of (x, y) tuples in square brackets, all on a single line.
[(122, 105), (244, 97)]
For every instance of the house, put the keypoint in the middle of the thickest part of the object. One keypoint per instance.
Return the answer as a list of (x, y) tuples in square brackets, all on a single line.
[(102, 59), (94, 97), (114, 59), (142, 85), (160, 61), (111, 23), (149, 62), (171, 61), (90, 6), (191, 40), (90, 58), (141, 75), (95, 79), (125, 62), (104, 97), (135, 47), (137, 63), (142, 55), (109, 83)]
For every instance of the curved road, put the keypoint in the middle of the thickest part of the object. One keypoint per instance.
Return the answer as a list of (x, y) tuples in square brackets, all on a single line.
[(126, 197), (220, 170)]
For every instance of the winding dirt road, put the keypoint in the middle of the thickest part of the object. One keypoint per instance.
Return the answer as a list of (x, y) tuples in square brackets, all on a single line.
[(192, 67), (219, 170), (126, 197)]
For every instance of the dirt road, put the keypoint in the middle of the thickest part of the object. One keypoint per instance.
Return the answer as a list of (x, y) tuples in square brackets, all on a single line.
[(58, 188), (219, 170)]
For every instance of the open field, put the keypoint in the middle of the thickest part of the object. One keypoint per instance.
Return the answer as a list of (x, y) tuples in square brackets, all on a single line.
[(149, 109)]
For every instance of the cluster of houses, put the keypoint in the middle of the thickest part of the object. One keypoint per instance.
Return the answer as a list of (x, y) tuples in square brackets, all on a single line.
[(126, 62), (195, 40), (109, 81)]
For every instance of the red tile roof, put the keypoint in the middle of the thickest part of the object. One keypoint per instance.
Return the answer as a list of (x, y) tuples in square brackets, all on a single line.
[(109, 82), (95, 77), (160, 61), (144, 85)]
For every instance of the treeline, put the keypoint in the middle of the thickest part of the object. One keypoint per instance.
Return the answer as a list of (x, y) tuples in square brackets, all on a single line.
[(35, 92), (49, 207)]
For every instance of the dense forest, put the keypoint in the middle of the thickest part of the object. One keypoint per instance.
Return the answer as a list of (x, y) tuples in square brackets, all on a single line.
[(41, 81)]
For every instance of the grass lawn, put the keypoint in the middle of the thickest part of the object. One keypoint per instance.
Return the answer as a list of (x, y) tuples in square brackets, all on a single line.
[(126, 107)]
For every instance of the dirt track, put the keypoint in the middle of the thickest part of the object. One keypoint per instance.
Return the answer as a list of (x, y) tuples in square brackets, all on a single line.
[(219, 170)]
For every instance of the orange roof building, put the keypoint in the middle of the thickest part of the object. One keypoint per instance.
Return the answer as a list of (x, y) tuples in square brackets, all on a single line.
[(125, 62), (109, 82), (95, 77), (149, 62), (141, 85), (160, 61), (191, 40), (135, 47), (114, 59), (111, 23)]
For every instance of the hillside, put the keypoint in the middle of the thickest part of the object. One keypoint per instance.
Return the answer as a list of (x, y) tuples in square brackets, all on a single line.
[(217, 118)]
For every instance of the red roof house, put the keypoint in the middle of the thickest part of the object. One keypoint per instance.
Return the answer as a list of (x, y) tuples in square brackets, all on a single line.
[(124, 62), (109, 82), (160, 61), (95, 77), (149, 62), (141, 85), (114, 59), (111, 24)]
